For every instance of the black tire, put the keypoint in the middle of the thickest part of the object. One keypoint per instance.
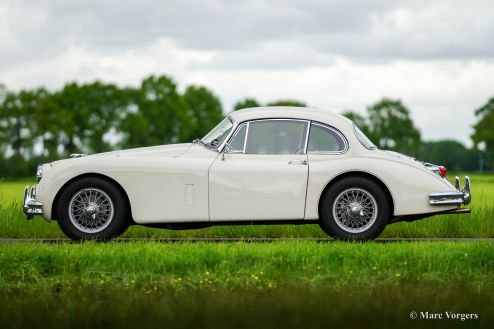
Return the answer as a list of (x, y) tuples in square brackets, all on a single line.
[(354, 223), (102, 227)]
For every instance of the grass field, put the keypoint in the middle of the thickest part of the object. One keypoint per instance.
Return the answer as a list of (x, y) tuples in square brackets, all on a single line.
[(244, 285), (287, 284), (480, 223)]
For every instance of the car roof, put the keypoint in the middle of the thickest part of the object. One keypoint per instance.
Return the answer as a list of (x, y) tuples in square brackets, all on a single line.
[(304, 113)]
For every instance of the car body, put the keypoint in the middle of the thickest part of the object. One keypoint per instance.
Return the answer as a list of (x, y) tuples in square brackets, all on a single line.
[(259, 165)]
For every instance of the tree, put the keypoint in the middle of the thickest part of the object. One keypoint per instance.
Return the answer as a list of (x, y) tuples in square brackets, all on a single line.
[(359, 120), (484, 130), (245, 104), (392, 128), (452, 154), (486, 108), (3, 123), (47, 128), (204, 111), (287, 102), (251, 102), (17, 131), (16, 122), (88, 112), (158, 114)]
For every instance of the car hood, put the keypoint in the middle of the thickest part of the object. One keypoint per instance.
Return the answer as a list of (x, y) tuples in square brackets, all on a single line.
[(161, 151)]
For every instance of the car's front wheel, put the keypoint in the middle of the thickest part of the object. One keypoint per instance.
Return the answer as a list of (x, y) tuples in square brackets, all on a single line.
[(354, 208), (92, 208)]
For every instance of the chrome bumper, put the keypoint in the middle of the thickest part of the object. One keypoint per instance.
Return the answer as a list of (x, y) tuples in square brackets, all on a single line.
[(458, 197), (31, 206)]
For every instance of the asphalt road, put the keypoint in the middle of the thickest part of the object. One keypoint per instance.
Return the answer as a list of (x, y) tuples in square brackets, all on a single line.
[(247, 240)]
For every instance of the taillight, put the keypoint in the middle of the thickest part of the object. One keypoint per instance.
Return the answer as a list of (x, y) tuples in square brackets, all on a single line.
[(442, 170)]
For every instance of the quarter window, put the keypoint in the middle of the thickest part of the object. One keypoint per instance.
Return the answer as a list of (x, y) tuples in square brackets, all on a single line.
[(324, 139), (238, 142), (271, 137)]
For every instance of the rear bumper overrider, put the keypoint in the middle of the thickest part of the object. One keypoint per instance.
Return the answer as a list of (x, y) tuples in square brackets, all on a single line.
[(458, 197), (31, 207)]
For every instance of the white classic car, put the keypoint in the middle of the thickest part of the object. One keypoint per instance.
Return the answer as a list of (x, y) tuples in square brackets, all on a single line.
[(269, 165)]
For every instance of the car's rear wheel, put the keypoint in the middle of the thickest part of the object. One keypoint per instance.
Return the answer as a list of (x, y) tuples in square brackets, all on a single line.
[(354, 208), (92, 208)]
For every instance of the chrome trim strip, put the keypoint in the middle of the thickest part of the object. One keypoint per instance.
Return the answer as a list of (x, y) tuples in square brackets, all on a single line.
[(39, 173), (237, 130), (298, 162), (246, 136), (77, 155), (446, 198), (435, 169), (466, 191), (309, 125), (457, 197), (31, 207), (370, 148)]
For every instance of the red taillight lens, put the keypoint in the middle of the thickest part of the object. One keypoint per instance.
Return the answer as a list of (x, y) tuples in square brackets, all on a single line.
[(442, 170)]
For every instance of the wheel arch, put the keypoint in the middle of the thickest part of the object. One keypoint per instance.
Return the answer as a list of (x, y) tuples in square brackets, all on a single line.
[(359, 173), (92, 175)]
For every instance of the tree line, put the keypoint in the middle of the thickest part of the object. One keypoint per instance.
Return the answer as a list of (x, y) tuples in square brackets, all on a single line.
[(39, 125)]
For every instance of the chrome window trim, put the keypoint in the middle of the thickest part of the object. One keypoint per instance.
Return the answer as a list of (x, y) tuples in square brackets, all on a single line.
[(337, 132), (370, 148), (246, 136), (309, 123), (239, 126), (237, 130)]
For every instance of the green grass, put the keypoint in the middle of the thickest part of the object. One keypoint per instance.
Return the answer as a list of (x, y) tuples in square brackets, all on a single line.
[(246, 265), (282, 284), (480, 223)]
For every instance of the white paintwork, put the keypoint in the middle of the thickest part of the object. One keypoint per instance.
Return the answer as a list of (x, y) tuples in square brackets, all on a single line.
[(189, 183), (257, 187)]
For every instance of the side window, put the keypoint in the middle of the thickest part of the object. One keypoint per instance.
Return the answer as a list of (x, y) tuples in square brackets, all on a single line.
[(276, 137), (238, 142), (323, 139)]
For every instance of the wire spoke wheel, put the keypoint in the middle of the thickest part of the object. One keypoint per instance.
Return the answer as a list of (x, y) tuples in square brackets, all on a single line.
[(355, 210), (91, 210)]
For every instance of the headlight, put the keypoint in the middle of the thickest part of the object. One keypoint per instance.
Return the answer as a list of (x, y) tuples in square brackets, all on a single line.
[(39, 173)]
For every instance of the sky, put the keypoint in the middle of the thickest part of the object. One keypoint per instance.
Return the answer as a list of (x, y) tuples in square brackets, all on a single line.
[(435, 56)]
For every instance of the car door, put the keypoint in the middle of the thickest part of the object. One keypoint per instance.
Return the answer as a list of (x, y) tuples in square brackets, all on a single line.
[(263, 174)]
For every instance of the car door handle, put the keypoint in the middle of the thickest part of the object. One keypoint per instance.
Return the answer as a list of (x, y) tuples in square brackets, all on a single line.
[(298, 162)]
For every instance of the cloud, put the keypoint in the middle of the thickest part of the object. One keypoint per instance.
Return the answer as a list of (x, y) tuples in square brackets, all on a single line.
[(85, 64), (364, 30), (437, 56)]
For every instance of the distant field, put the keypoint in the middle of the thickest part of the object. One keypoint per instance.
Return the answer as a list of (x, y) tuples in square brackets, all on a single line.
[(239, 285), (480, 223)]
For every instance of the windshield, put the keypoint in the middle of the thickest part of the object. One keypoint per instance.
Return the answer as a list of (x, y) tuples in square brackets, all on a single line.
[(364, 140), (216, 136)]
